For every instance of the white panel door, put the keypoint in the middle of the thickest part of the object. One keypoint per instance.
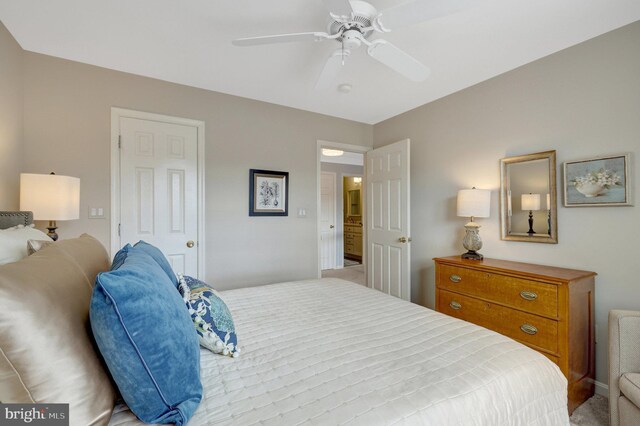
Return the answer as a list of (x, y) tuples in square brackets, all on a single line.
[(158, 189), (327, 220), (388, 227)]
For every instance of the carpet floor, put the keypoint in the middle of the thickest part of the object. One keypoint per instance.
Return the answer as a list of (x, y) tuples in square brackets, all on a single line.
[(594, 412), (349, 273)]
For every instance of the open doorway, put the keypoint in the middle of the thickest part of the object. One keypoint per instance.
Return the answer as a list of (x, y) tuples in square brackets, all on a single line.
[(341, 211), (352, 219)]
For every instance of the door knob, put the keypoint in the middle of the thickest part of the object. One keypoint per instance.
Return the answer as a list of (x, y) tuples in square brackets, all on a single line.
[(190, 244), (404, 240), (331, 226)]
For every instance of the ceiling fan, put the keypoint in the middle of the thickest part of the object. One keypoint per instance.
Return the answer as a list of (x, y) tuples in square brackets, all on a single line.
[(353, 22)]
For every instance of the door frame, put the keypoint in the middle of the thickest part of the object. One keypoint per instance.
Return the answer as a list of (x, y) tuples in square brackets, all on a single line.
[(345, 147), (116, 115), (333, 249)]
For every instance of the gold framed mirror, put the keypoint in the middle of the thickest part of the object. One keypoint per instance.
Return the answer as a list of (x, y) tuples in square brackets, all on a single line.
[(528, 198)]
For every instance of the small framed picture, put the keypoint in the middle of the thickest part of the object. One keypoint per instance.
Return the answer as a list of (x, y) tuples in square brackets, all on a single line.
[(268, 193), (601, 181)]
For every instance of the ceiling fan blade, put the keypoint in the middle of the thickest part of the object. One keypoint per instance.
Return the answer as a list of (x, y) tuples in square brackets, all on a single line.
[(339, 7), (281, 38), (419, 11), (397, 60), (331, 69)]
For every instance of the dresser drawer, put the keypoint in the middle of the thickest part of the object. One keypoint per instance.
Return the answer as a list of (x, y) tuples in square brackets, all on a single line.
[(527, 328), (353, 230), (531, 296), (553, 359)]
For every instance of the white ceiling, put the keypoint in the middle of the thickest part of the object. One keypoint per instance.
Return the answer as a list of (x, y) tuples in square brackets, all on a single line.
[(189, 42)]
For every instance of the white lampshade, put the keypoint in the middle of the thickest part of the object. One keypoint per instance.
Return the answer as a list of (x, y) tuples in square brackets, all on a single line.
[(548, 202), (50, 197), (474, 202), (530, 201)]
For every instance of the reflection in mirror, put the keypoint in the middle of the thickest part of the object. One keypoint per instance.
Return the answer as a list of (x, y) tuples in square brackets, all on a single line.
[(352, 199), (528, 198), (354, 202)]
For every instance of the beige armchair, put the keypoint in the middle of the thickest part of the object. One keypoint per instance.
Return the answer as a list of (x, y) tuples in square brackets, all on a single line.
[(624, 368)]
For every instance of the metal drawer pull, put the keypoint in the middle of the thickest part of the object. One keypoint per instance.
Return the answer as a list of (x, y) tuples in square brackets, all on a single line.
[(529, 329), (528, 295), (455, 305), (455, 278)]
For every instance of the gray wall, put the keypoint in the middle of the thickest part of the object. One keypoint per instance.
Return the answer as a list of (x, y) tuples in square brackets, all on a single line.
[(11, 98), (67, 112), (583, 101), (341, 170)]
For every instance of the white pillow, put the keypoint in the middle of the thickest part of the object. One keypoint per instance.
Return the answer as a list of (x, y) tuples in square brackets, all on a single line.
[(13, 242)]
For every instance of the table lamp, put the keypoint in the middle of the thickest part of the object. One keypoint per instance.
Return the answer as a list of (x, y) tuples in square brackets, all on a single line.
[(530, 202), (473, 203), (549, 214), (50, 197)]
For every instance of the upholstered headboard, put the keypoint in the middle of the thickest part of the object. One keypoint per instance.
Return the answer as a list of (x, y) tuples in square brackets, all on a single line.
[(9, 219)]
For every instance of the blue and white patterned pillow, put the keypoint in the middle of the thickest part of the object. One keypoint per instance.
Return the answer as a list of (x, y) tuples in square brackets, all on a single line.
[(210, 316)]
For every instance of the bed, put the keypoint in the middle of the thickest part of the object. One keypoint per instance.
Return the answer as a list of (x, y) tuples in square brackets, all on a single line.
[(333, 352)]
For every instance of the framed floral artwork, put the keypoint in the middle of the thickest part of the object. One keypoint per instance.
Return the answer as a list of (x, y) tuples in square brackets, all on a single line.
[(268, 193), (601, 181)]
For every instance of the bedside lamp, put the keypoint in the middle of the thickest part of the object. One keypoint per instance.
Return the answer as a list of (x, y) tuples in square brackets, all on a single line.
[(50, 197), (530, 202), (473, 203)]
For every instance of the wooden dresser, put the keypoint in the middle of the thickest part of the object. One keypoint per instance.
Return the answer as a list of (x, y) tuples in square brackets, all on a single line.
[(546, 308), (353, 241)]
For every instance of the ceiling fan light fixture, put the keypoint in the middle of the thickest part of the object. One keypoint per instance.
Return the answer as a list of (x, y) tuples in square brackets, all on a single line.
[(332, 152)]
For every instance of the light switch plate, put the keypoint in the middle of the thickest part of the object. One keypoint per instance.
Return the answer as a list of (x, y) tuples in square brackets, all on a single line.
[(96, 212)]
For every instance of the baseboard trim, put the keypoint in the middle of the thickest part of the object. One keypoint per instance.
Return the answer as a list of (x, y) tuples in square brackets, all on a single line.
[(602, 389)]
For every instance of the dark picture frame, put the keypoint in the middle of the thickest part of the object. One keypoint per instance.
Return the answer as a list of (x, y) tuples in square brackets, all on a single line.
[(268, 193)]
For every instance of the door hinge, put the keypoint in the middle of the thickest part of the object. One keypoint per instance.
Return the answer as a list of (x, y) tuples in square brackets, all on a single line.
[(119, 230), (119, 141)]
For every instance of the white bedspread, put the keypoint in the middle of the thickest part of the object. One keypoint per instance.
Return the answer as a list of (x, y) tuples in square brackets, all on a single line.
[(333, 352)]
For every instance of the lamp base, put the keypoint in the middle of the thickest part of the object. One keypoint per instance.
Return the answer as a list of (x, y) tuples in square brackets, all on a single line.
[(473, 255), (52, 230), (472, 241), (531, 231)]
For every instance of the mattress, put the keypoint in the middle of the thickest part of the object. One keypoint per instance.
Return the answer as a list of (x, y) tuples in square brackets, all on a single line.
[(331, 352)]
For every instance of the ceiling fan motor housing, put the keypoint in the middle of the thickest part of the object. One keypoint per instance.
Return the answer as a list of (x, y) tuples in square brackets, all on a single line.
[(359, 26)]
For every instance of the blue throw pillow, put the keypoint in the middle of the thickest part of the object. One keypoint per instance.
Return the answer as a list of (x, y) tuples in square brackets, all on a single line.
[(210, 315), (159, 257), (146, 337), (120, 256)]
